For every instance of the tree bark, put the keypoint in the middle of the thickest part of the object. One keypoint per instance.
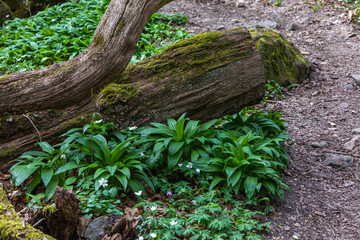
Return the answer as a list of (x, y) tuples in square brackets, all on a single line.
[(65, 84), (207, 76)]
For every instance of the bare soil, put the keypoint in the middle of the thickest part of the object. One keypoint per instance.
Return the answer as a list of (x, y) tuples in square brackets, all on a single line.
[(324, 201)]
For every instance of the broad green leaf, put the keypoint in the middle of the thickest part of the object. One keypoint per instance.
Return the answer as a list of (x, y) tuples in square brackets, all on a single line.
[(174, 147), (207, 125), (234, 178), (22, 172), (123, 180), (36, 180), (50, 189), (230, 170), (70, 181), (98, 172), (46, 175), (194, 156), (191, 128), (69, 166), (171, 123), (112, 169), (216, 180), (180, 129), (126, 172), (249, 185), (34, 45), (46, 147), (174, 159)]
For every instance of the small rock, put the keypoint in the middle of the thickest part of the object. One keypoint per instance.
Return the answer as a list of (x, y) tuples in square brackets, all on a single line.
[(356, 131), (268, 24), (291, 27), (207, 20), (356, 78), (337, 160), (348, 87), (350, 145), (336, 22), (321, 144), (348, 183), (343, 105), (305, 21), (220, 27), (97, 228), (234, 20)]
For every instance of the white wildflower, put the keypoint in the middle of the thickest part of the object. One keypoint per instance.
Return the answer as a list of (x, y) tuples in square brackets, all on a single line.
[(138, 193), (98, 121), (142, 154), (193, 202), (63, 156), (190, 165), (141, 238), (153, 208), (7, 16), (172, 223), (153, 235), (197, 170), (103, 182), (132, 128)]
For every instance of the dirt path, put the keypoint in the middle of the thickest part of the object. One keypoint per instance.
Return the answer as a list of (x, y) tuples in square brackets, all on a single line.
[(325, 199)]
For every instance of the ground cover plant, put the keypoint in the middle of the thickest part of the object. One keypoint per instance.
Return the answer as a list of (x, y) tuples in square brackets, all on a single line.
[(355, 8), (205, 173), (62, 32)]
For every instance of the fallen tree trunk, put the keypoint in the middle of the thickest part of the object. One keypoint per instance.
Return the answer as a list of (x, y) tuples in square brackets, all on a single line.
[(208, 76)]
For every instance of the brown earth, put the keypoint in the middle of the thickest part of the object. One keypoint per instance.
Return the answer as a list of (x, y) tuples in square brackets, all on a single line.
[(324, 201)]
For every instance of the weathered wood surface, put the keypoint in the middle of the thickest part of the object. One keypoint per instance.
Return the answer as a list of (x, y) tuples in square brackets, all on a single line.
[(208, 76)]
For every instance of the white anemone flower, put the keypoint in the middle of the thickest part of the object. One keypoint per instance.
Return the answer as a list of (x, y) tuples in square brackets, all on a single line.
[(138, 193), (98, 121), (153, 208), (141, 238), (197, 170), (103, 182), (63, 156), (132, 128), (172, 223), (153, 235)]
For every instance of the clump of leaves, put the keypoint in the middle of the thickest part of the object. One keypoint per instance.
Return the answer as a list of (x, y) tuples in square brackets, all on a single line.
[(178, 141), (273, 90)]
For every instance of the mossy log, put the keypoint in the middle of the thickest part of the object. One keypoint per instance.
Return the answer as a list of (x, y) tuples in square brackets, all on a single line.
[(11, 226), (207, 76)]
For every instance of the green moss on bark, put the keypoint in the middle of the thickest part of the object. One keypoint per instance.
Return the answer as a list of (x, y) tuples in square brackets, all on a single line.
[(11, 226), (282, 61)]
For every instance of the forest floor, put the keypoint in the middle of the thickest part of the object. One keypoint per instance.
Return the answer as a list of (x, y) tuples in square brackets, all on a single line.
[(322, 113)]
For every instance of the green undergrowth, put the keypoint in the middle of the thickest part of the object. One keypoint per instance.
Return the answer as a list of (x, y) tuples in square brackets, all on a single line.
[(62, 32), (355, 8), (203, 175)]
